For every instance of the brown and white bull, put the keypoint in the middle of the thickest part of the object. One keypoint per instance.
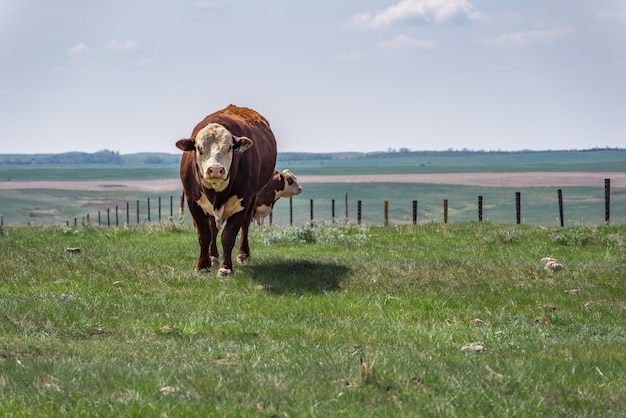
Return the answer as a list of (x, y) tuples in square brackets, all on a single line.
[(228, 159), (282, 184)]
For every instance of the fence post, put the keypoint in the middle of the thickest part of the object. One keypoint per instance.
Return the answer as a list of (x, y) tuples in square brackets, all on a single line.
[(138, 212), (345, 197), (99, 219), (358, 211), (311, 211), (88, 220), (290, 211), (271, 217), (480, 208), (607, 201), (445, 211), (127, 213), (148, 209), (518, 207), (560, 194), (414, 212), (386, 213), (159, 208), (108, 217), (75, 222), (171, 207), (117, 219), (332, 210)]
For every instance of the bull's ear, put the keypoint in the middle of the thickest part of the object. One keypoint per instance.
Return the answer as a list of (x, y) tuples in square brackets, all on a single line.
[(242, 143), (186, 144)]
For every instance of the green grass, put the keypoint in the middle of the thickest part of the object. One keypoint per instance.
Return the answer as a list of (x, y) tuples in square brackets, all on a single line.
[(326, 320)]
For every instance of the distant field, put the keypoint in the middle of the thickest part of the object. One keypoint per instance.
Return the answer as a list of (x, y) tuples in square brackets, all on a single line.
[(400, 178)]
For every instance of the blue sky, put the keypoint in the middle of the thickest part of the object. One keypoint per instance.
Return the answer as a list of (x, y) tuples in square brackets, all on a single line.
[(330, 76)]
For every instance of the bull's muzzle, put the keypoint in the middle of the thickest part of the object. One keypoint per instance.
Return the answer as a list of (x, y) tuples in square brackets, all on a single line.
[(215, 172)]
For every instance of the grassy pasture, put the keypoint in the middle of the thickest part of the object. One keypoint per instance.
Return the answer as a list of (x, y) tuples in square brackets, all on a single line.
[(330, 320)]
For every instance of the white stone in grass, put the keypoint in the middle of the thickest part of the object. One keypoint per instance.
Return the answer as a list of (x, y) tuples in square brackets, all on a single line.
[(474, 348), (553, 266)]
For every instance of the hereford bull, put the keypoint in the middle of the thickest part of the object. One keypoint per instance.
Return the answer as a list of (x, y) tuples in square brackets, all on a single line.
[(228, 159), (282, 184)]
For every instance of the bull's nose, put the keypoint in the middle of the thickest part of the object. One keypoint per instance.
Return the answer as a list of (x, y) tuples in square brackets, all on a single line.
[(216, 172)]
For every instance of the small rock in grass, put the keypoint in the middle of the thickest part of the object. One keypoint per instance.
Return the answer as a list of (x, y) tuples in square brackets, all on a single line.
[(474, 348)]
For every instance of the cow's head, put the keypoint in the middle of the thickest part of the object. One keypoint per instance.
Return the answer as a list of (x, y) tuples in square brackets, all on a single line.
[(214, 146), (292, 187)]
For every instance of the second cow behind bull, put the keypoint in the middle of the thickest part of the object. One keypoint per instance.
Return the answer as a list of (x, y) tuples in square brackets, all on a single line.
[(230, 156)]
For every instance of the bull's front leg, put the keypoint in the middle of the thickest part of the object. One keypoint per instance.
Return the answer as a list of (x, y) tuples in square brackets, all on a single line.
[(204, 239), (213, 251), (229, 235)]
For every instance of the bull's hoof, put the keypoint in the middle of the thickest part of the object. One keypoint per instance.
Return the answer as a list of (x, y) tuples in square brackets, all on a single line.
[(243, 258), (215, 261), (224, 272)]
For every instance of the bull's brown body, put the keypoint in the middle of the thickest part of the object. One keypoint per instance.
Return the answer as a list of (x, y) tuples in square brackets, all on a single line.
[(249, 171)]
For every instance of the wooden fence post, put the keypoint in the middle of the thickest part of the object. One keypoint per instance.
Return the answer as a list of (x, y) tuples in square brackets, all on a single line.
[(607, 201), (386, 213), (311, 211), (148, 209), (108, 217), (560, 195), (99, 219), (117, 218), (445, 211), (332, 210), (358, 211), (128, 213), (345, 197), (480, 208), (138, 212), (171, 207), (290, 211), (518, 207), (414, 212), (159, 208)]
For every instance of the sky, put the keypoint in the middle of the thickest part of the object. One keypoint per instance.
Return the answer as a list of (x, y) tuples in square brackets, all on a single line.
[(330, 76)]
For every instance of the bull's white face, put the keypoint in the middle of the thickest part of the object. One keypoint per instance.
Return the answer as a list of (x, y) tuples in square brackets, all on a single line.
[(214, 155)]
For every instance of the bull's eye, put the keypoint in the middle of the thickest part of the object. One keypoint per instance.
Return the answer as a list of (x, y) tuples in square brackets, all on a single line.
[(290, 181), (200, 151)]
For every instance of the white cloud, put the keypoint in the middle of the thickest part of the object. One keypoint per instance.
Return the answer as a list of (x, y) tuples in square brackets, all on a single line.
[(404, 43), (611, 15), (78, 49), (531, 37), (116, 45), (428, 11)]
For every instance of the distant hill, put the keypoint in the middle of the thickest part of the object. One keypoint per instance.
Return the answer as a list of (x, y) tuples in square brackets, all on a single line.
[(395, 157)]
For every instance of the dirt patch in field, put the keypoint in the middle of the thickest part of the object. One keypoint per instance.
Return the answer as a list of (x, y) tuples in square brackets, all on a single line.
[(531, 179)]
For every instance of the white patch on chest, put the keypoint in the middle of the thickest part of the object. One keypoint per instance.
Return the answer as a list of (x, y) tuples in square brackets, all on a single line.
[(232, 206)]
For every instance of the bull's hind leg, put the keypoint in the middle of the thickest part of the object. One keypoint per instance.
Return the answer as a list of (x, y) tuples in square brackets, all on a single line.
[(214, 254), (243, 254)]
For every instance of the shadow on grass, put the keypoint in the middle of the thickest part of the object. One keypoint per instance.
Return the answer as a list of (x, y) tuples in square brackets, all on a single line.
[(299, 276)]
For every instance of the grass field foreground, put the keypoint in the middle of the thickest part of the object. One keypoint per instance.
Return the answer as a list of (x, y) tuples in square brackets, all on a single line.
[(326, 320)]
